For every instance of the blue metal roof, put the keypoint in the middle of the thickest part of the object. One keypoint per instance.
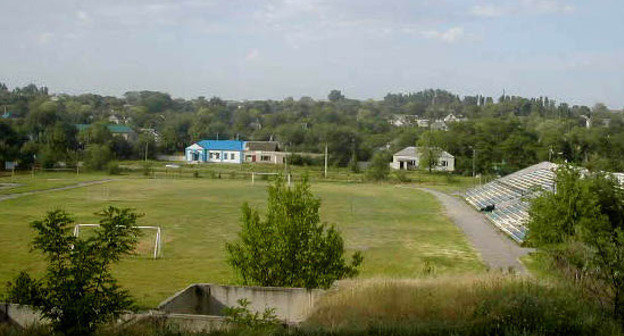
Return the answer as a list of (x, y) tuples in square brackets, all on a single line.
[(235, 145)]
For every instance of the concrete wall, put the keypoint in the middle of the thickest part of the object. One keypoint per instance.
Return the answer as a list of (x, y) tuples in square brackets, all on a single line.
[(186, 322), (20, 315), (291, 305)]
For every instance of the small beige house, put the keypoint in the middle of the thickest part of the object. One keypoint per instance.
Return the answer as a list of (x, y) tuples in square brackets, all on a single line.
[(409, 157), (264, 152)]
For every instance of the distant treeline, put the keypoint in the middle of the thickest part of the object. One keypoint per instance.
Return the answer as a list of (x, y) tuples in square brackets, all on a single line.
[(503, 133)]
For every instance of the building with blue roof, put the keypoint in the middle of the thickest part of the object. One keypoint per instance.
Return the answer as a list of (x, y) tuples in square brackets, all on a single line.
[(217, 151)]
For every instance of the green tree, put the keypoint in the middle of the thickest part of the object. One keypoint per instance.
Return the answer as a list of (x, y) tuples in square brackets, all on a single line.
[(10, 143), (429, 150), (353, 163), (379, 167), (78, 292), (582, 225), (290, 247), (335, 95), (97, 156)]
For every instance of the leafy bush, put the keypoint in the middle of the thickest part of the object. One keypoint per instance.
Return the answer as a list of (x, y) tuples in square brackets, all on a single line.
[(291, 247), (379, 167), (146, 168), (401, 175), (97, 156), (299, 160), (582, 225), (113, 168), (450, 178), (242, 316)]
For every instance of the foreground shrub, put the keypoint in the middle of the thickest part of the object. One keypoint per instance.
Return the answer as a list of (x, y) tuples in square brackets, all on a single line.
[(78, 291), (581, 226), (241, 316)]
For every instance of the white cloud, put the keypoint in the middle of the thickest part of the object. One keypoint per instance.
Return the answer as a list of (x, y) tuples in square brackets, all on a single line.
[(488, 11), (451, 35), (548, 6), (44, 38), (522, 7), (82, 16), (252, 55)]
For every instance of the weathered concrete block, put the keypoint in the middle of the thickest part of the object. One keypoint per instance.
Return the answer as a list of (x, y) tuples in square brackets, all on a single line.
[(292, 305), (21, 315)]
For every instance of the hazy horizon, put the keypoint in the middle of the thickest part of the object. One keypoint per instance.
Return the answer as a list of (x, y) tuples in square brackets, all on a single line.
[(571, 51)]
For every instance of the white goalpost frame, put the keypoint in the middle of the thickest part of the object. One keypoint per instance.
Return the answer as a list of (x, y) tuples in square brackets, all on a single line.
[(156, 243)]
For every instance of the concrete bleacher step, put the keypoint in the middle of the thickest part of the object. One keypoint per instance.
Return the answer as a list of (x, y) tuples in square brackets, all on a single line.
[(511, 194)]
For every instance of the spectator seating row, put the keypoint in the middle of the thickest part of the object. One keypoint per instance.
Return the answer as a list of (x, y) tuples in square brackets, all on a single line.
[(508, 196)]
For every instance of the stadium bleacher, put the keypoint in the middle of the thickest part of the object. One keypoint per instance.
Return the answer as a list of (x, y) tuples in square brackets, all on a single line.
[(507, 197)]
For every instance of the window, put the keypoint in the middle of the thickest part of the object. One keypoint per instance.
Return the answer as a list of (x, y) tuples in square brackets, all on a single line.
[(443, 163), (217, 155), (265, 158), (225, 156), (232, 156)]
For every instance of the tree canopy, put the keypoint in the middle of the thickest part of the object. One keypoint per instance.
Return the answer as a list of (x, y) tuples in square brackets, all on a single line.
[(290, 247)]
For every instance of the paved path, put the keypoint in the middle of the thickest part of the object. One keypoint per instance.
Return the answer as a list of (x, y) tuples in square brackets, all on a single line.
[(497, 250), (73, 186)]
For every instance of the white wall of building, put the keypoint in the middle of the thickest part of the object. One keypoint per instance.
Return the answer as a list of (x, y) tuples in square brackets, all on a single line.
[(445, 162)]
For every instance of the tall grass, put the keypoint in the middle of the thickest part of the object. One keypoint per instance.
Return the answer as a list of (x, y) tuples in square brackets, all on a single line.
[(470, 305)]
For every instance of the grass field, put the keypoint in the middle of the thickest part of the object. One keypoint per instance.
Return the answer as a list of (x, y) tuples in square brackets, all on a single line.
[(401, 231), (24, 182)]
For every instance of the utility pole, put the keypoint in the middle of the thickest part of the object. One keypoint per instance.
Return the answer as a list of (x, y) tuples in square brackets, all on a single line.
[(474, 155), (326, 160), (146, 147)]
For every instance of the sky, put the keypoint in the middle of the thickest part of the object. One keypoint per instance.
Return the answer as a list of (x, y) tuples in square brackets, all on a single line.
[(571, 51)]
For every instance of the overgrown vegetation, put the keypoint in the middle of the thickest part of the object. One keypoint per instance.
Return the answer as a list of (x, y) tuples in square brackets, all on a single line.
[(291, 247), (493, 304), (378, 169), (78, 292), (581, 226), (242, 316)]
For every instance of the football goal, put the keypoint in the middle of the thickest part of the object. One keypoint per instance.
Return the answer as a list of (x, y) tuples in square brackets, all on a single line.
[(156, 251)]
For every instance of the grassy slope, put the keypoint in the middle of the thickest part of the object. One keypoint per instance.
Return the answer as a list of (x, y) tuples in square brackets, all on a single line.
[(492, 304), (398, 229)]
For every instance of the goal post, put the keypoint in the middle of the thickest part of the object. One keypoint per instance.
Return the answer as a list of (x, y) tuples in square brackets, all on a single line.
[(157, 244)]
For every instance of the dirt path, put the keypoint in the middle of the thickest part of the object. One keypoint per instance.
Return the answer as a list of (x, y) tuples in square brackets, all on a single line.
[(73, 186), (496, 249)]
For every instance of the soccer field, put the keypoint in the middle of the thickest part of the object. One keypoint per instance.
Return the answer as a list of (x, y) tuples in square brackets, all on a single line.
[(401, 232)]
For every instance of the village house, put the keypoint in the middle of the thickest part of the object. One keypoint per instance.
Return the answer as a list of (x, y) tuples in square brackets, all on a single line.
[(409, 158), (264, 152), (122, 131), (215, 151), (237, 151)]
